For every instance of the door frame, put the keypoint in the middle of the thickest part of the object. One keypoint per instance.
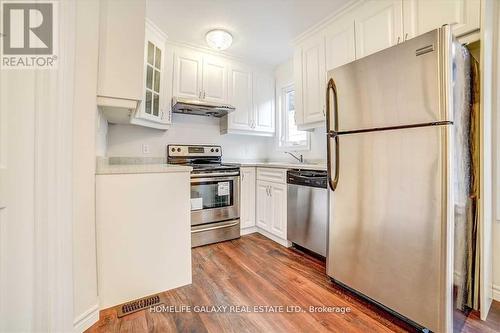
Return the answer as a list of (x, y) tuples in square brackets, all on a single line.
[(49, 241), (487, 211), (53, 182)]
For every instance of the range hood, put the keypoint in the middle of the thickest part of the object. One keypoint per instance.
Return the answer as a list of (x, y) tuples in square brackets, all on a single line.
[(200, 108)]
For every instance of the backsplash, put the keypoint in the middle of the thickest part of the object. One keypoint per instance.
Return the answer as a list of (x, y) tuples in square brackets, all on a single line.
[(128, 140)]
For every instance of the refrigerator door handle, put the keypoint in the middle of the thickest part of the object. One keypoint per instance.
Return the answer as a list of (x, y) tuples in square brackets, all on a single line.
[(332, 135), (331, 86), (333, 181)]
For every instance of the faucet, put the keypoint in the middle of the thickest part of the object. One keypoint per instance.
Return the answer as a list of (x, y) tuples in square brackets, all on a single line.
[(300, 158)]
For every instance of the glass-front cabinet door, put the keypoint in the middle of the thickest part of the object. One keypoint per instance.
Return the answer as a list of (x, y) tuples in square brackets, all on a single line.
[(154, 106)]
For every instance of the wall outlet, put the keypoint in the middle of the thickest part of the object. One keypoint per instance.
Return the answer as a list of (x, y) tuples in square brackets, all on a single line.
[(145, 148)]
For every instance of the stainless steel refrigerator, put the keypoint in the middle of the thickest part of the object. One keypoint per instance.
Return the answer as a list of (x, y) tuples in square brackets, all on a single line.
[(398, 125)]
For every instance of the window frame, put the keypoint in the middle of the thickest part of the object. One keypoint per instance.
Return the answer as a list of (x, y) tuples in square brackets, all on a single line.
[(282, 143)]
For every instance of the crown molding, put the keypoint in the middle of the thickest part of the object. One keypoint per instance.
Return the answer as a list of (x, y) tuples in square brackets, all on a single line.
[(327, 20), (150, 24), (222, 54)]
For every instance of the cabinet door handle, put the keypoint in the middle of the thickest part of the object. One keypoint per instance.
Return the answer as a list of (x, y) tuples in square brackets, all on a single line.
[(204, 94), (406, 36), (270, 191), (399, 38), (324, 113)]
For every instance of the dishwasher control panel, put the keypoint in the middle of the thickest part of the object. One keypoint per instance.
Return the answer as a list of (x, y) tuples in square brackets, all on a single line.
[(311, 178)]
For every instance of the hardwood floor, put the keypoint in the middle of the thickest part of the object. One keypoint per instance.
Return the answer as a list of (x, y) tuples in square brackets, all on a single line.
[(255, 271)]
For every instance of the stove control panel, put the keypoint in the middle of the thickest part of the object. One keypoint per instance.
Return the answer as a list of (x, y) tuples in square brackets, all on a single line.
[(193, 151)]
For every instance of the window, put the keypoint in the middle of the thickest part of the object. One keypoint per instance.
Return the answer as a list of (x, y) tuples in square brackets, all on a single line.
[(289, 137)]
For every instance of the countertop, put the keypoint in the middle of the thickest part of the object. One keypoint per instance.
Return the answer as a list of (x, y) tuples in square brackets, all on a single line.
[(127, 165), (280, 165)]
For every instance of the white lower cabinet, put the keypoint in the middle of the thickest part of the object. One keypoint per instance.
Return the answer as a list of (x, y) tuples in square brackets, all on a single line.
[(271, 208), (263, 205), (278, 202), (271, 217), (247, 199), (143, 234)]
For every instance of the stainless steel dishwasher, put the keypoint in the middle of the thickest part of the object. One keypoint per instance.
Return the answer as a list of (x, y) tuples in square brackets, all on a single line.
[(307, 209)]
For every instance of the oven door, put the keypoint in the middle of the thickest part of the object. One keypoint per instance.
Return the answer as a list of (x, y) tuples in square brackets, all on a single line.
[(215, 199)]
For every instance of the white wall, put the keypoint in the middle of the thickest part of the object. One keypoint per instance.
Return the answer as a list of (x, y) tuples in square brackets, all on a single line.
[(101, 134), (86, 304)]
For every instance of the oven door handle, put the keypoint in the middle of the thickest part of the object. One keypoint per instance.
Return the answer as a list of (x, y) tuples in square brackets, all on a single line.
[(214, 179), (214, 228), (214, 174)]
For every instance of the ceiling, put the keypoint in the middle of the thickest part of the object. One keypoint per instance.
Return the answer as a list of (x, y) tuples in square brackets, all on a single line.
[(262, 29)]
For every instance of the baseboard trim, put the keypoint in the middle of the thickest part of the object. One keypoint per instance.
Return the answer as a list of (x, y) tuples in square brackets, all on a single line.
[(496, 292), (86, 319), (248, 230), (272, 237)]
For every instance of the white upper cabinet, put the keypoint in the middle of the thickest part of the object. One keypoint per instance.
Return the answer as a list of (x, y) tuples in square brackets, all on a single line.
[(379, 25), (187, 73), (240, 96), (421, 16), (263, 102), (313, 81), (199, 76), (214, 82), (371, 26), (340, 44), (121, 49), (252, 94), (132, 67), (155, 107)]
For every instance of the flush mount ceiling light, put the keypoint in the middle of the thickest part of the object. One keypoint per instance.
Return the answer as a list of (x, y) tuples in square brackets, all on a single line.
[(219, 39)]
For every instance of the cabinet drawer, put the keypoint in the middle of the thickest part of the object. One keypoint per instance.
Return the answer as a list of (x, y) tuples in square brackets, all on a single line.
[(272, 175)]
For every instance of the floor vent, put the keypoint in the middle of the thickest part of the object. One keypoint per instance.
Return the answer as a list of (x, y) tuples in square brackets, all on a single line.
[(138, 305)]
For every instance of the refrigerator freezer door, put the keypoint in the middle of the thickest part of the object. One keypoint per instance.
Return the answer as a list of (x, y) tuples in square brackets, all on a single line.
[(388, 216), (398, 86)]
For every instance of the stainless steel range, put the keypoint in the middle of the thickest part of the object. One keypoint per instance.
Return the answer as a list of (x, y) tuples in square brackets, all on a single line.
[(215, 193)]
